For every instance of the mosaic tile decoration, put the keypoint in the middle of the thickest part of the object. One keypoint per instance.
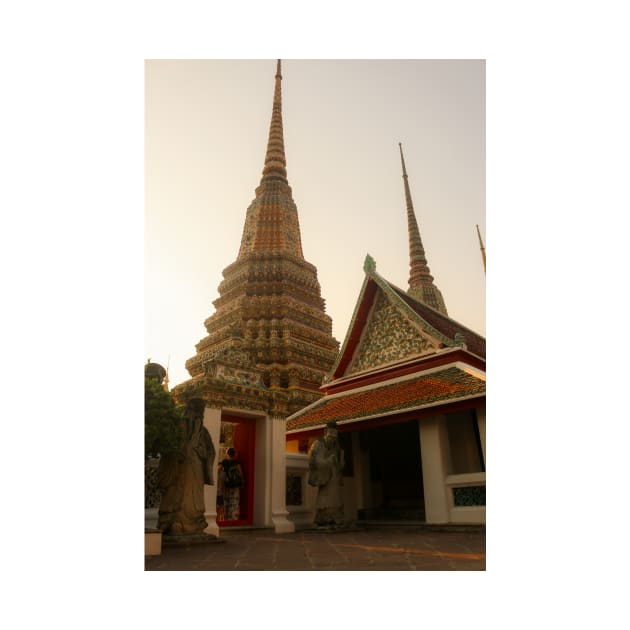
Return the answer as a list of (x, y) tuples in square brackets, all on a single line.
[(152, 494), (469, 495), (389, 337)]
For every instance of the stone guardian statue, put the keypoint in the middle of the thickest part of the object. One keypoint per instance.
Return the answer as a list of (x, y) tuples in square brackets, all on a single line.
[(182, 475), (326, 462)]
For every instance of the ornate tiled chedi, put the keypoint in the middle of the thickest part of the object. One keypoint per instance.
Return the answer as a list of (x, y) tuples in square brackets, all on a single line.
[(389, 337), (270, 306)]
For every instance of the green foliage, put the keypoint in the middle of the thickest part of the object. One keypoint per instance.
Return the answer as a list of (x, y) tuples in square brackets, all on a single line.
[(163, 421)]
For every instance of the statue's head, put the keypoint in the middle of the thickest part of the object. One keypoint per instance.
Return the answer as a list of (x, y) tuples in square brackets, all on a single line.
[(331, 432), (154, 371)]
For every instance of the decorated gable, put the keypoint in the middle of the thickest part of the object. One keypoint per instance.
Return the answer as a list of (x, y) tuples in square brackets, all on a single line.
[(389, 336)]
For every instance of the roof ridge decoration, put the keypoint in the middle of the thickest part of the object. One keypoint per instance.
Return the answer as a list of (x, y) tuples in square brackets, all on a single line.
[(421, 284), (369, 265)]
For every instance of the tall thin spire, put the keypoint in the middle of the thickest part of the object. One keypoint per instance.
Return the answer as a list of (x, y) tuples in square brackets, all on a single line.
[(421, 285), (483, 250), (275, 160), (271, 224)]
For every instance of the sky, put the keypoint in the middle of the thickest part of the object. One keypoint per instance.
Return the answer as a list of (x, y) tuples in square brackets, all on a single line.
[(206, 130)]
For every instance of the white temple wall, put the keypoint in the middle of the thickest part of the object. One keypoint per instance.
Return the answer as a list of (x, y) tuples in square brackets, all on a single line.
[(440, 484), (301, 515)]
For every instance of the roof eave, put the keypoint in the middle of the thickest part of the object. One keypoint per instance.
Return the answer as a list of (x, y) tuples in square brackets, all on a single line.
[(440, 403)]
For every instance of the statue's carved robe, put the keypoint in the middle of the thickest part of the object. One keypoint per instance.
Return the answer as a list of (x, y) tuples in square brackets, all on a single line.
[(181, 476), (326, 464)]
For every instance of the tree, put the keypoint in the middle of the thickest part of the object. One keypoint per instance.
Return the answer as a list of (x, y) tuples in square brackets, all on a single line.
[(163, 421)]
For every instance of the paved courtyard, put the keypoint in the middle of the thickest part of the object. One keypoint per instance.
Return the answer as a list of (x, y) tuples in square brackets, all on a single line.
[(373, 549)]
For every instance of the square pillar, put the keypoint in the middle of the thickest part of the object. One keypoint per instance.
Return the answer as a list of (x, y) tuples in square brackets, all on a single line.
[(279, 513), (435, 455), (212, 422)]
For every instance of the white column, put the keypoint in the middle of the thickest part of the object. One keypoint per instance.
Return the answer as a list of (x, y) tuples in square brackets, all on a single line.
[(279, 511), (212, 422), (481, 424), (434, 452)]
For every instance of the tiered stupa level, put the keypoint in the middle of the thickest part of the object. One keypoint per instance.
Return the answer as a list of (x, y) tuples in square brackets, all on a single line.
[(270, 302), (421, 285)]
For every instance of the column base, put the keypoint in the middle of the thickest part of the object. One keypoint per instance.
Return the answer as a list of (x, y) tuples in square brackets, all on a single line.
[(212, 528), (281, 524)]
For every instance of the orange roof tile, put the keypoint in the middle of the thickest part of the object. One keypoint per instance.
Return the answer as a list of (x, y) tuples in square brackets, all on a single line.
[(446, 385)]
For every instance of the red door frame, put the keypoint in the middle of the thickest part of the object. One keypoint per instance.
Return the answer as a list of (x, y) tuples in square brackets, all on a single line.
[(245, 445)]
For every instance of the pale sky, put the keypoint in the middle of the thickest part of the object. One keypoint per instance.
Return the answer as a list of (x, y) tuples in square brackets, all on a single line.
[(207, 124)]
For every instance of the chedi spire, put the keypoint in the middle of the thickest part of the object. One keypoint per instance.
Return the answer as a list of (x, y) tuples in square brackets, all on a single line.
[(421, 285), (271, 224), (275, 160)]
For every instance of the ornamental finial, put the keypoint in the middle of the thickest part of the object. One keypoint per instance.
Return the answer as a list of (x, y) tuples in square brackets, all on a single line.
[(369, 265)]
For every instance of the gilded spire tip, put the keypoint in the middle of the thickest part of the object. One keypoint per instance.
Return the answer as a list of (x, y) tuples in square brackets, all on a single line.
[(402, 159)]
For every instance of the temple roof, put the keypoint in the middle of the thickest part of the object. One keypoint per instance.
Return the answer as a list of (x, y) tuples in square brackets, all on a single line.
[(415, 392), (406, 328), (449, 327)]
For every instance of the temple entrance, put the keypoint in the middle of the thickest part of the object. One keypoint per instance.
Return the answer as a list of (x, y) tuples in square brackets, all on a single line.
[(235, 505), (395, 472)]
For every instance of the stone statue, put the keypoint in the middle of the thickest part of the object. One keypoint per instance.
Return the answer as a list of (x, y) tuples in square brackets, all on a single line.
[(182, 475), (326, 472)]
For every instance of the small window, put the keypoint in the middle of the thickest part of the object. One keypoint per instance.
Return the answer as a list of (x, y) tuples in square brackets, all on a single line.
[(465, 444), (294, 489)]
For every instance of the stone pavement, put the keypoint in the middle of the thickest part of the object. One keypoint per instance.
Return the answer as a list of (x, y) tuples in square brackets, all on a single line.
[(383, 548)]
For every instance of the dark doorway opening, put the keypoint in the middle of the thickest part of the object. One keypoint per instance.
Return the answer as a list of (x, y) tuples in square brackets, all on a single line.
[(395, 471), (235, 507)]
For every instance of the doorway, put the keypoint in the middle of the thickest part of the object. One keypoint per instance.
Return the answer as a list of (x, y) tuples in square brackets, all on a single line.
[(395, 471), (235, 505)]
